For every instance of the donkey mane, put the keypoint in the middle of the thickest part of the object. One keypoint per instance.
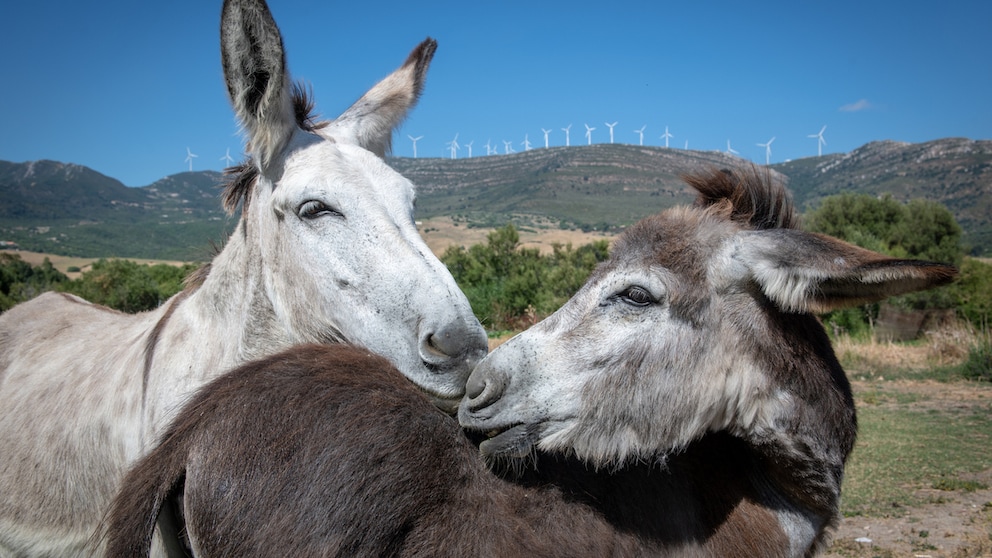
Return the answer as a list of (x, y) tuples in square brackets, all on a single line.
[(750, 196), (242, 176)]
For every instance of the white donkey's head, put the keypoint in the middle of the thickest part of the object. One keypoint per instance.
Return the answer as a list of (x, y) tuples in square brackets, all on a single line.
[(329, 226)]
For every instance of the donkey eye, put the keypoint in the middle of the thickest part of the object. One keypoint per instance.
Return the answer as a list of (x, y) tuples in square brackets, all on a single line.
[(636, 296), (313, 209)]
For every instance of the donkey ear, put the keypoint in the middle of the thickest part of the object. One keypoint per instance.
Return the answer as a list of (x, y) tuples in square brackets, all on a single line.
[(256, 76), (371, 120), (809, 272)]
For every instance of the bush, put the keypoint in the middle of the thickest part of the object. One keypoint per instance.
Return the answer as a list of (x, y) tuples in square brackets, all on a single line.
[(128, 286), (978, 365), (20, 281), (920, 229), (509, 286)]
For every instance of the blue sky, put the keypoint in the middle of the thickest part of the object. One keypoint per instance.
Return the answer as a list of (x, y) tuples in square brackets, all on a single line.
[(124, 87)]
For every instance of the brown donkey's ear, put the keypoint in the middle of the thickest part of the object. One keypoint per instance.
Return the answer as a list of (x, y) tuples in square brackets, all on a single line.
[(809, 272), (256, 76)]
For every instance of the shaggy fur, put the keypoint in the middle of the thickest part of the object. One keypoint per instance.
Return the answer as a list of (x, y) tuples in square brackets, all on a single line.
[(329, 451)]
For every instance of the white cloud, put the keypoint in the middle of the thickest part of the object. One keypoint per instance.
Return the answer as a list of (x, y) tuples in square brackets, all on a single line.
[(857, 106)]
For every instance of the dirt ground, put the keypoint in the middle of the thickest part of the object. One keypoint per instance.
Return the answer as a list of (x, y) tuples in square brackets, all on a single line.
[(442, 232), (956, 524)]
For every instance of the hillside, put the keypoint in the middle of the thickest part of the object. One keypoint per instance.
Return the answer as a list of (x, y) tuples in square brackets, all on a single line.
[(71, 210), (597, 186), (956, 172)]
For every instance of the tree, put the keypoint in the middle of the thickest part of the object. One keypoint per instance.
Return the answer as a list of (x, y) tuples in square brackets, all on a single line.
[(20, 281), (508, 284), (920, 229)]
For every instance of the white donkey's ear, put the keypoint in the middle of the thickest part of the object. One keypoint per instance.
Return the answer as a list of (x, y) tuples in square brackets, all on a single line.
[(809, 272), (256, 76), (370, 122)]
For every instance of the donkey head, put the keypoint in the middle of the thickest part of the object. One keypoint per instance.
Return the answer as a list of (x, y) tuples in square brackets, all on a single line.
[(699, 321), (328, 226)]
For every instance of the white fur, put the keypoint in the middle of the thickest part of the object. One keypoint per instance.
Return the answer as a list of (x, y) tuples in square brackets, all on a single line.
[(85, 391)]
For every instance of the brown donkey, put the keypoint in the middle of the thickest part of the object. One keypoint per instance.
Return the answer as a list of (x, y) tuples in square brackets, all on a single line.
[(685, 402)]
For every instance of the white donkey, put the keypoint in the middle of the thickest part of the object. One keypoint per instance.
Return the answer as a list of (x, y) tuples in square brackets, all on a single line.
[(326, 251)]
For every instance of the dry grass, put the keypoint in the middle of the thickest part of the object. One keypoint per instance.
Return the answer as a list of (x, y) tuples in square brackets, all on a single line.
[(947, 346), (442, 232)]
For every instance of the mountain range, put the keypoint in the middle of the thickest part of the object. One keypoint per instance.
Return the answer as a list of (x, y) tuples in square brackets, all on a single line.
[(72, 210)]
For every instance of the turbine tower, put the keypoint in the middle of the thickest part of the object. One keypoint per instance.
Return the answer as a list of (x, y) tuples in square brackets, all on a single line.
[(469, 146), (489, 148), (730, 150), (546, 132), (641, 134), (227, 157), (189, 158), (526, 142), (666, 136), (508, 147), (566, 129), (453, 146), (415, 140), (610, 126), (768, 149), (589, 134), (820, 142)]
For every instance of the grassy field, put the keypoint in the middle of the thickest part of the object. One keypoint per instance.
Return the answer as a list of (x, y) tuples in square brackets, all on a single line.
[(919, 482)]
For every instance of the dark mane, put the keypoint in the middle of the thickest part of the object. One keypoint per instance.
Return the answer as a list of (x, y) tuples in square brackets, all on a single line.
[(753, 195), (242, 176)]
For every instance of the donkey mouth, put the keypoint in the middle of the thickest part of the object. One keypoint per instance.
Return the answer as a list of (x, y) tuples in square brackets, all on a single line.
[(514, 441), (447, 404)]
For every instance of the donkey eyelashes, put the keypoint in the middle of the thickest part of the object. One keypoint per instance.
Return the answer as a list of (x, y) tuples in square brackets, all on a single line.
[(636, 295), (312, 209)]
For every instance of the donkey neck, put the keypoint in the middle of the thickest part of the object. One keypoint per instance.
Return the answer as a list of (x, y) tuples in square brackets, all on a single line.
[(234, 299), (705, 501)]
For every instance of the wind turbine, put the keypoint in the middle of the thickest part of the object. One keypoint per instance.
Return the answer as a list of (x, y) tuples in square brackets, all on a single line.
[(508, 147), (610, 126), (768, 149), (566, 129), (589, 134), (820, 142), (546, 132), (666, 136), (189, 158), (453, 146), (469, 146), (415, 140), (641, 133), (526, 142), (731, 150), (227, 157)]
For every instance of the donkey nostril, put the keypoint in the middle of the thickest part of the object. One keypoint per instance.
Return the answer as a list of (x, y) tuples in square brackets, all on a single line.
[(459, 342), (475, 386)]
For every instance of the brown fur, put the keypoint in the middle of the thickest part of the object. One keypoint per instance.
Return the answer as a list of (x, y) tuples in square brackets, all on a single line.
[(329, 451)]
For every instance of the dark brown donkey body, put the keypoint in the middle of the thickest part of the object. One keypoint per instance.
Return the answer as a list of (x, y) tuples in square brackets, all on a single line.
[(685, 402)]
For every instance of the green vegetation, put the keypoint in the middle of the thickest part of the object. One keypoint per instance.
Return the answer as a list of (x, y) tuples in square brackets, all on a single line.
[(902, 449), (918, 229), (120, 284), (20, 281), (510, 286)]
